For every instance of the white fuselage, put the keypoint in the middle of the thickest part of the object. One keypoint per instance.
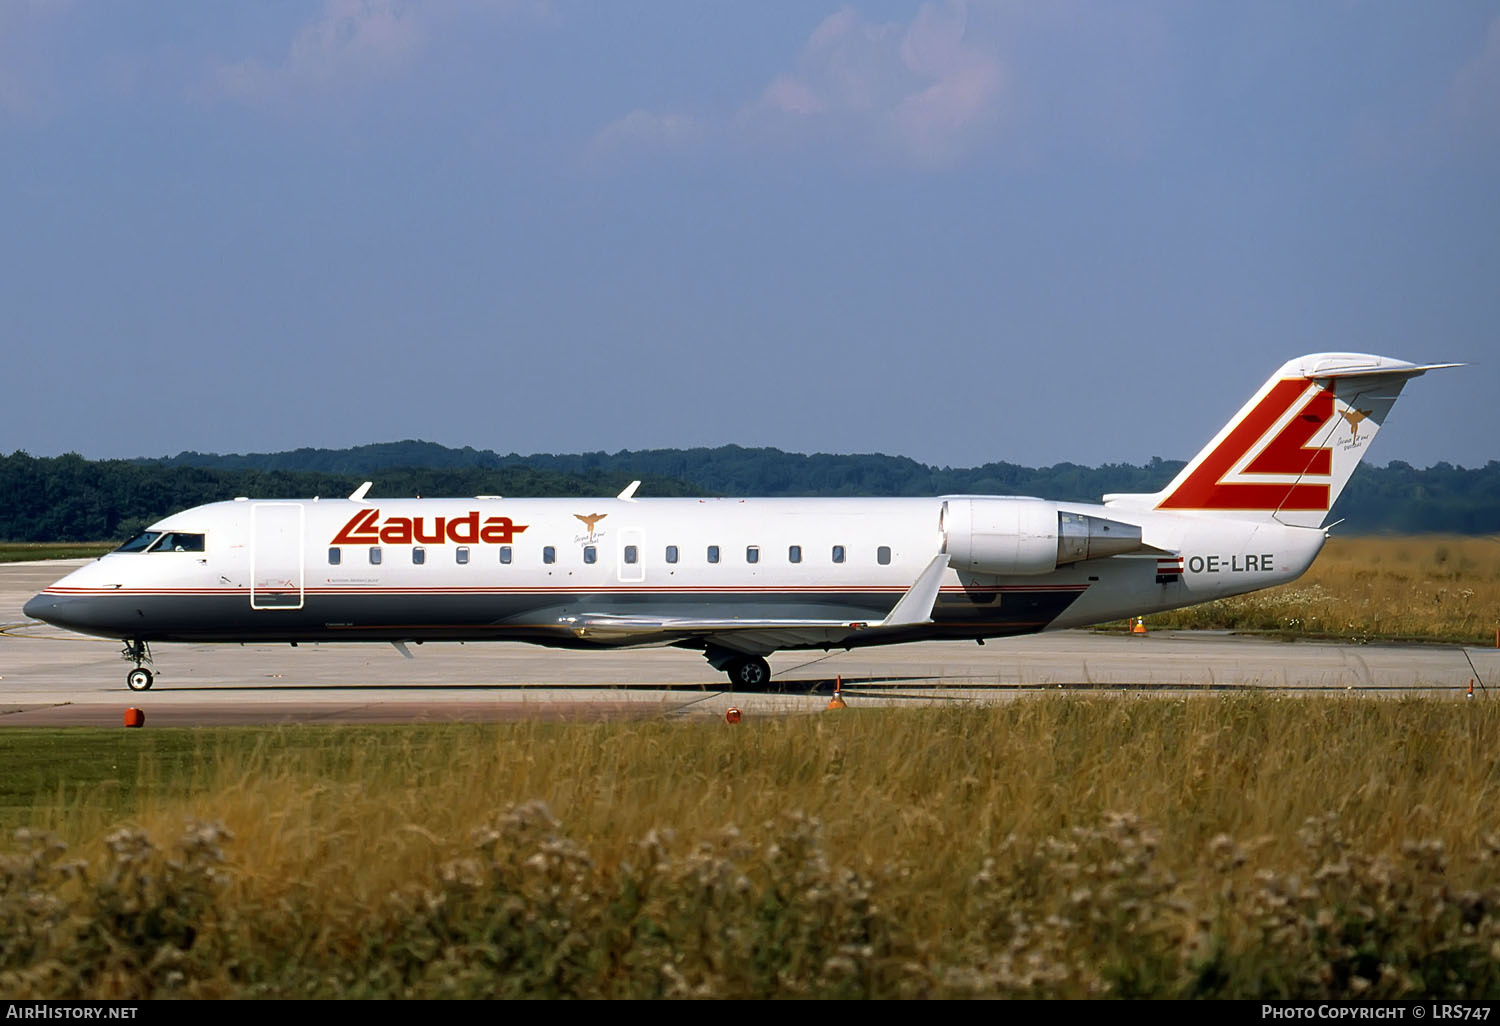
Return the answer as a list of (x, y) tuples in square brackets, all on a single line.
[(539, 569)]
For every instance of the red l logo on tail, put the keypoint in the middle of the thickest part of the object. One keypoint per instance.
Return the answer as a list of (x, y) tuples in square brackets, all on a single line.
[(1287, 454)]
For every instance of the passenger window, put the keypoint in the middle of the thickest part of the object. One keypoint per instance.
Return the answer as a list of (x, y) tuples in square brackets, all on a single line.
[(632, 554), (838, 553), (461, 554), (752, 553), (794, 554), (505, 554), (671, 553), (883, 555), (335, 557), (713, 553), (418, 555), (374, 556), (549, 555), (590, 554)]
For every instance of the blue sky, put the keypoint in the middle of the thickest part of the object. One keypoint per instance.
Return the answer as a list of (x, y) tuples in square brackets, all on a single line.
[(961, 232)]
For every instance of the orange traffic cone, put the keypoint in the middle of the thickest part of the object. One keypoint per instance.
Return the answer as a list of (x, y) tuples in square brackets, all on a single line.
[(1471, 687), (1140, 626), (837, 701)]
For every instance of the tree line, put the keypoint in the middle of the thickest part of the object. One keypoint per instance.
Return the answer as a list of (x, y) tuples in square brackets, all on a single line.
[(69, 498)]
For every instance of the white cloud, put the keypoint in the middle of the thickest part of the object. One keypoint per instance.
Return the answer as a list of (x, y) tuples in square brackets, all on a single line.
[(847, 64), (922, 93), (936, 124), (644, 128), (351, 42)]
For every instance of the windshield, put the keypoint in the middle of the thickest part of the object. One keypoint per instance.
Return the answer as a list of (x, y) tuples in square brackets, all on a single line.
[(140, 542), (158, 541)]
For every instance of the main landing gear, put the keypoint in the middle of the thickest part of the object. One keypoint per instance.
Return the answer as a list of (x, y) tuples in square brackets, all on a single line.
[(748, 672), (140, 678), (744, 671)]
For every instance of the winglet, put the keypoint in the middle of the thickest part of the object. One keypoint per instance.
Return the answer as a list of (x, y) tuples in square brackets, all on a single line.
[(916, 605), (628, 495), (360, 492)]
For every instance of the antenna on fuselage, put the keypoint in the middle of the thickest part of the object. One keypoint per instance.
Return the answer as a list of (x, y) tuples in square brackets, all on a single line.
[(360, 492)]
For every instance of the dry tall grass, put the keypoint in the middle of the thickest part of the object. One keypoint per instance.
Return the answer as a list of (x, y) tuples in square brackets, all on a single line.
[(1062, 846), (1428, 588)]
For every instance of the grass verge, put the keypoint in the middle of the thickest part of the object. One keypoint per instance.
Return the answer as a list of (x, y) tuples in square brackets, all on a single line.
[(17, 552), (1430, 588), (1242, 846)]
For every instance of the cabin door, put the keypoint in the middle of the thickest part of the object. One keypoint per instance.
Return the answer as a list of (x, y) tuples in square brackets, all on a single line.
[(276, 557)]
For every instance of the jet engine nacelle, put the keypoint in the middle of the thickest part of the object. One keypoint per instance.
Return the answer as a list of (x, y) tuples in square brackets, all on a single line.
[(1027, 536)]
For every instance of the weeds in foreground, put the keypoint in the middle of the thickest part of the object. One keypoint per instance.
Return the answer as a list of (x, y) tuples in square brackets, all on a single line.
[(525, 911), (1056, 847)]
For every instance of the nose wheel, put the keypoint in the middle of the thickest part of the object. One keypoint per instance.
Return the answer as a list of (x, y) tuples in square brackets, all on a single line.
[(140, 678)]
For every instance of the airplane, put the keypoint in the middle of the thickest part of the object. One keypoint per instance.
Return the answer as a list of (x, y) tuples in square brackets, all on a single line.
[(739, 579)]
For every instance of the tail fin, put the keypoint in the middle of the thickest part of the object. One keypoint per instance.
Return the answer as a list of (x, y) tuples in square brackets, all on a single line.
[(1290, 450)]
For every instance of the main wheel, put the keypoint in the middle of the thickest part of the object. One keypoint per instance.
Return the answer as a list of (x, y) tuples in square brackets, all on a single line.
[(139, 679), (749, 672)]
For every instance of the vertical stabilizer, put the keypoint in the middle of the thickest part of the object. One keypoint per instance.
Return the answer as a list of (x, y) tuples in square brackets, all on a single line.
[(1291, 449)]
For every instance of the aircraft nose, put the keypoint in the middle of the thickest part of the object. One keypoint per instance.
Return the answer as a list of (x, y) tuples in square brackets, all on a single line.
[(38, 608), (58, 610), (86, 614)]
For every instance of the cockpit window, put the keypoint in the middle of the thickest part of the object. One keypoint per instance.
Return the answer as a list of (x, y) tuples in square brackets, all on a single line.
[(140, 543), (163, 541), (177, 541)]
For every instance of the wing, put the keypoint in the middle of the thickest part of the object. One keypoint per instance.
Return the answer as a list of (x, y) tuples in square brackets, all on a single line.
[(761, 634)]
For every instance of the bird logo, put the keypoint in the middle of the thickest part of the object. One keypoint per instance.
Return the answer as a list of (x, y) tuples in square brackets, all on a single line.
[(1354, 416), (590, 520)]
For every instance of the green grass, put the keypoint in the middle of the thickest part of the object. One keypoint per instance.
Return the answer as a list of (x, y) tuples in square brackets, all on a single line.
[(104, 775), (78, 779), (1058, 846), (17, 552)]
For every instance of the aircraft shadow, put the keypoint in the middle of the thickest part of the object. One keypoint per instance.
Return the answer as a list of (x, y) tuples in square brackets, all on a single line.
[(873, 686)]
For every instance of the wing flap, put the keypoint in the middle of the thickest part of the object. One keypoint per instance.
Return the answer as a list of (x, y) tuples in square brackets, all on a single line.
[(609, 626)]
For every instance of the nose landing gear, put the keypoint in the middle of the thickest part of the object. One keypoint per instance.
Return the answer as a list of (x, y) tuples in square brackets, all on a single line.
[(140, 678)]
